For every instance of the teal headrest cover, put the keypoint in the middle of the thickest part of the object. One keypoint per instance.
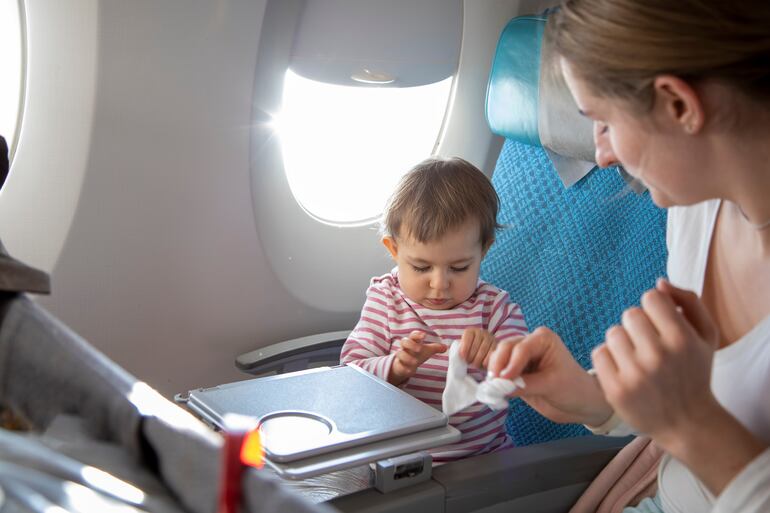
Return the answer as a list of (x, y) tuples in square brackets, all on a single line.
[(528, 100), (512, 94)]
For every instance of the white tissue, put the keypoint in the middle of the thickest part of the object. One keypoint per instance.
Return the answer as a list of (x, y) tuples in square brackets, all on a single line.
[(461, 390)]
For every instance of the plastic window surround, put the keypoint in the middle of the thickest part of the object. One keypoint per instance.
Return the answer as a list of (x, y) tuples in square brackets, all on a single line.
[(344, 148), (12, 64)]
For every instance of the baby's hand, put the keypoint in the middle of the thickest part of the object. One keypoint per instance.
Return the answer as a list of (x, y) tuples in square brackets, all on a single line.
[(412, 354), (476, 346)]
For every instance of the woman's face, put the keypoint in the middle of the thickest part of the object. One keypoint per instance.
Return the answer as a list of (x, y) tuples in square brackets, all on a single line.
[(648, 146)]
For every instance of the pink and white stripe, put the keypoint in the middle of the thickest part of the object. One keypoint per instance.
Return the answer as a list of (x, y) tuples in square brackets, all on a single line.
[(388, 316)]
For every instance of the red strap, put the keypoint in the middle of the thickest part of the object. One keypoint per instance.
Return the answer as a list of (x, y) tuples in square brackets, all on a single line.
[(241, 447), (232, 468)]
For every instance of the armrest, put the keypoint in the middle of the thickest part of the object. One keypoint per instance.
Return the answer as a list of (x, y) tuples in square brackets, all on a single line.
[(547, 478), (295, 354), (560, 470)]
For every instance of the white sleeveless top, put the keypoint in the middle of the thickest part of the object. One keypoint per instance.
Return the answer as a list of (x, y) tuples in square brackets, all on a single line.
[(741, 372)]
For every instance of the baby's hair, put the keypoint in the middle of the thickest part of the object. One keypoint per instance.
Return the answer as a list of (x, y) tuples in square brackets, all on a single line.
[(439, 194)]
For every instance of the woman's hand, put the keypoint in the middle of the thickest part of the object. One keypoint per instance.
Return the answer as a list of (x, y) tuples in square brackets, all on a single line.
[(655, 368), (412, 354), (557, 387), (476, 346)]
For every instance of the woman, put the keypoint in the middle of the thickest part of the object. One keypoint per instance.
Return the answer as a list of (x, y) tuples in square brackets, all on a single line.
[(679, 93)]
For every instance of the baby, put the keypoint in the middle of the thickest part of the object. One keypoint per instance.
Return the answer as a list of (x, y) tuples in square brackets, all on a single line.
[(437, 226)]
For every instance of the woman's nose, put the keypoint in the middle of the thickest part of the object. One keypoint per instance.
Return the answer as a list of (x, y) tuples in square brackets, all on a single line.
[(605, 156)]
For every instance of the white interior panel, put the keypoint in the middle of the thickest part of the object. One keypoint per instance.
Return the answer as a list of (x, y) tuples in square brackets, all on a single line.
[(38, 200), (162, 269), (466, 132), (185, 247)]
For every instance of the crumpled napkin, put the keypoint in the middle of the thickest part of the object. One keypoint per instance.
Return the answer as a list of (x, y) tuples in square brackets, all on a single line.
[(461, 390)]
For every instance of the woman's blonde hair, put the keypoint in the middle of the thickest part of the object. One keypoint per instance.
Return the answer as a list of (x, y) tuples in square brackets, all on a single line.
[(619, 46), (440, 194)]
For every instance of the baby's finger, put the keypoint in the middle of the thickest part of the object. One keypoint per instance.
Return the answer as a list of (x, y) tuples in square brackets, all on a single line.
[(484, 348), (417, 335), (411, 347), (407, 360), (428, 350), (485, 363), (466, 343)]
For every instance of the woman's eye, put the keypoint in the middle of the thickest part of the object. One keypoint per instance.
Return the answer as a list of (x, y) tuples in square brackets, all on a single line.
[(604, 128), (460, 269), (420, 269)]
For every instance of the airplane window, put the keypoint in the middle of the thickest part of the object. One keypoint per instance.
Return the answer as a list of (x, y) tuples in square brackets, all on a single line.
[(345, 147), (10, 70)]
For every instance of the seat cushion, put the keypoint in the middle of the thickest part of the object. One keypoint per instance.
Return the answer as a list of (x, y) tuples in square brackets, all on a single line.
[(573, 258)]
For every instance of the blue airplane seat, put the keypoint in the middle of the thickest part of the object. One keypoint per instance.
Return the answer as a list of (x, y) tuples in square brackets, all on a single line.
[(574, 257)]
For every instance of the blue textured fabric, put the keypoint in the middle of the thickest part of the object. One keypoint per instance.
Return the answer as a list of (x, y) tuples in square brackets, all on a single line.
[(574, 259)]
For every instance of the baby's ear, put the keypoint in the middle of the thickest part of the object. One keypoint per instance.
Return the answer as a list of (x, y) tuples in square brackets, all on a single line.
[(390, 243)]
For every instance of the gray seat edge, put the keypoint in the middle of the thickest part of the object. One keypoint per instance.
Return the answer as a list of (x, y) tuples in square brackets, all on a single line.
[(544, 478)]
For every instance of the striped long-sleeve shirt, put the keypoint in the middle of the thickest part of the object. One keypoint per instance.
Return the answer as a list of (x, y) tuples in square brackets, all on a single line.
[(388, 316)]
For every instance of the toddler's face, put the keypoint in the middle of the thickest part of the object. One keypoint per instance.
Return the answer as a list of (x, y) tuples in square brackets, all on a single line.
[(439, 274)]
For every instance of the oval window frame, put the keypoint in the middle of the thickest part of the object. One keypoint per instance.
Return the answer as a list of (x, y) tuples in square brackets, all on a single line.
[(17, 53)]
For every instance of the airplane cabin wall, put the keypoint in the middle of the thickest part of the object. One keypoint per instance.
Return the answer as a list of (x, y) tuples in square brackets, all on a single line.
[(161, 266), (38, 199)]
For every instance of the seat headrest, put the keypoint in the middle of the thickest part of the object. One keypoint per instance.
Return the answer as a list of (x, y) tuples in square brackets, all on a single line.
[(528, 100)]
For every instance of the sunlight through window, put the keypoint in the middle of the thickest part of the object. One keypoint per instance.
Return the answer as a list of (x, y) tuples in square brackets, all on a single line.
[(11, 65), (345, 148)]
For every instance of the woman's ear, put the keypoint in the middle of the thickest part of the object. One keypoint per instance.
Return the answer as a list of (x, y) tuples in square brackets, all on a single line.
[(390, 243), (680, 103)]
